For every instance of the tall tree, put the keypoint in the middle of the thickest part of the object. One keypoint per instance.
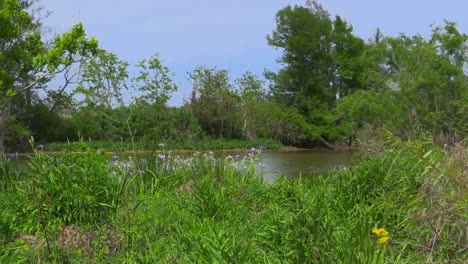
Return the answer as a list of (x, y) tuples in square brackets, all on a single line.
[(155, 81), (304, 35), (151, 118), (216, 105), (322, 60), (251, 91), (103, 79), (26, 64), (424, 82), (348, 57), (19, 44), (322, 57)]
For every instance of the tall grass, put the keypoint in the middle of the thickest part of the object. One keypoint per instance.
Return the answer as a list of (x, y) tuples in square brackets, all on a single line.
[(171, 209)]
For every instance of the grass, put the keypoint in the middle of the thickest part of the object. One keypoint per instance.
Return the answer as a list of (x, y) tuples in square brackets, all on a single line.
[(76, 208)]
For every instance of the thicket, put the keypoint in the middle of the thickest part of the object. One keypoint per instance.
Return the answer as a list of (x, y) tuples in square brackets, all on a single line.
[(406, 205), (333, 86), (405, 202)]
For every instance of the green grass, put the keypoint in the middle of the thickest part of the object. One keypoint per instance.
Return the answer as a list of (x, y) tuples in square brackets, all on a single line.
[(76, 208)]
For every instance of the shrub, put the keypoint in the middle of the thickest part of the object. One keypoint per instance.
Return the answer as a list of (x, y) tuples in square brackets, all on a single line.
[(73, 188)]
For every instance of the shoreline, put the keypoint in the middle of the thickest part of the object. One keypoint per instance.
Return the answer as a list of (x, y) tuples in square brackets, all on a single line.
[(281, 149)]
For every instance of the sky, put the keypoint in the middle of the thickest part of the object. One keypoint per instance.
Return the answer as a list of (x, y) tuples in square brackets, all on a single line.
[(229, 34)]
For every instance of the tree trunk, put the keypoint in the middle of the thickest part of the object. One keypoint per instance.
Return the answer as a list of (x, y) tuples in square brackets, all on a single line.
[(2, 133), (3, 120), (327, 144)]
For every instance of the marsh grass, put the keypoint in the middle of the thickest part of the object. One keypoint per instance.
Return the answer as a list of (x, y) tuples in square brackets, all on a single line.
[(165, 208)]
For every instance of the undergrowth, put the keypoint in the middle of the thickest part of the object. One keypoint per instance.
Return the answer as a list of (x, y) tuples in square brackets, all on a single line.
[(406, 205)]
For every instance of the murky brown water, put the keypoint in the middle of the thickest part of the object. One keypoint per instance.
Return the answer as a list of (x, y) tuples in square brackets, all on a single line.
[(302, 163), (284, 163)]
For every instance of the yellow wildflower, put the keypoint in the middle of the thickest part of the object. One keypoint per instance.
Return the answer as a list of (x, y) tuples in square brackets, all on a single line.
[(382, 240), (380, 232)]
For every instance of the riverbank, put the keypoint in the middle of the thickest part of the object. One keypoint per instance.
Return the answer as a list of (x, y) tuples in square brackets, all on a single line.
[(111, 148), (206, 209), (208, 144)]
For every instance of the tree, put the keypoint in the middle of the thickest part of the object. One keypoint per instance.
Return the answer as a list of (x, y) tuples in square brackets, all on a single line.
[(19, 44), (26, 64), (60, 102), (322, 61), (251, 91), (103, 79), (216, 106), (304, 35), (349, 61), (155, 81), (150, 118), (425, 78)]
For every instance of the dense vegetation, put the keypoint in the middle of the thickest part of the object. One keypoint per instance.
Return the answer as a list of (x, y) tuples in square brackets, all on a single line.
[(404, 99), (332, 87), (407, 205)]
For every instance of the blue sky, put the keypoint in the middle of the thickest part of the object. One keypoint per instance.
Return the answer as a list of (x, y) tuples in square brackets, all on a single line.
[(229, 34)]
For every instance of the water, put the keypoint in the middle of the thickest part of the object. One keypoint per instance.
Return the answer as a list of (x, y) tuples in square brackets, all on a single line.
[(291, 164), (283, 163), (305, 162)]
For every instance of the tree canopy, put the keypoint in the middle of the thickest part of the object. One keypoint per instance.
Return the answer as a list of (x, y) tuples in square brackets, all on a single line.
[(331, 86)]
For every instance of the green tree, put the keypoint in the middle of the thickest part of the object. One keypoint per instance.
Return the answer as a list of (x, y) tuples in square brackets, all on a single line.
[(26, 64), (216, 106), (322, 60), (60, 102), (251, 91), (349, 59), (425, 78), (304, 35), (154, 81), (19, 44), (150, 119), (104, 77)]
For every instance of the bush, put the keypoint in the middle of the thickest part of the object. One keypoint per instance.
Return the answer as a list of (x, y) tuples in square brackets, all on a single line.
[(405, 205), (73, 188)]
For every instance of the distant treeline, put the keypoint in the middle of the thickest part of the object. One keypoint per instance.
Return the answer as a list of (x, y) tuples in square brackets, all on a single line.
[(333, 87)]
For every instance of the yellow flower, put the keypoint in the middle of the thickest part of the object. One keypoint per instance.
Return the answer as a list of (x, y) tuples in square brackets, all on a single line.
[(380, 232), (382, 240)]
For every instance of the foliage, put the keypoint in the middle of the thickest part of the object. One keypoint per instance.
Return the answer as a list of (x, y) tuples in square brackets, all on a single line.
[(27, 64), (332, 87), (20, 41), (103, 79), (304, 35), (425, 79), (155, 81), (251, 91), (216, 106), (200, 207), (408, 84), (404, 204)]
